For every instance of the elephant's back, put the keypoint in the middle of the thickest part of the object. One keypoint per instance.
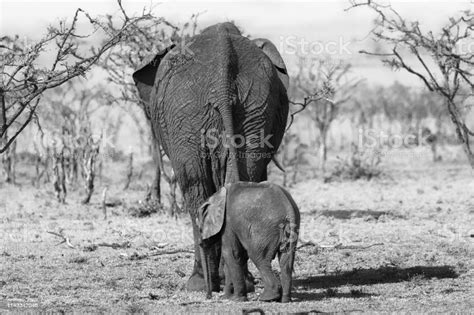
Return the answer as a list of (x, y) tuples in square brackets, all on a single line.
[(185, 89), (197, 66), (263, 202)]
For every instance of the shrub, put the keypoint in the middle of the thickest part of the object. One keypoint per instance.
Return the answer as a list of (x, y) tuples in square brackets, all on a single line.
[(361, 164), (145, 208)]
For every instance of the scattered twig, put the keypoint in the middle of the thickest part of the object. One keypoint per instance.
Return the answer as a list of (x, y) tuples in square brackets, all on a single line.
[(337, 246), (359, 246), (200, 302), (305, 244), (159, 245), (170, 252), (180, 273), (64, 238), (153, 296), (125, 244)]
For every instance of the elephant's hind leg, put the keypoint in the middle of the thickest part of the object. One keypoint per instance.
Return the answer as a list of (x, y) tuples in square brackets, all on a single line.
[(286, 260), (196, 281), (272, 289)]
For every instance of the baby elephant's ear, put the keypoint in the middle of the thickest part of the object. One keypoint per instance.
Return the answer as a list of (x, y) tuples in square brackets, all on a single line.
[(212, 213)]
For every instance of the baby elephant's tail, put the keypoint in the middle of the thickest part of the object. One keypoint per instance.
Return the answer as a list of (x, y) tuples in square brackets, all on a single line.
[(286, 253)]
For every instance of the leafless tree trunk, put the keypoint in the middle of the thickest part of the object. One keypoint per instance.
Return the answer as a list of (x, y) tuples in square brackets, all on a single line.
[(174, 208), (91, 152), (59, 176), (42, 165), (9, 163), (129, 171), (462, 131), (158, 164), (73, 165), (323, 148), (294, 178), (104, 202), (8, 157), (3, 114)]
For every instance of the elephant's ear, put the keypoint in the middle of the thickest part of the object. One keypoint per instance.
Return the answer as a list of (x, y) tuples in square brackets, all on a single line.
[(272, 53), (144, 76), (211, 214)]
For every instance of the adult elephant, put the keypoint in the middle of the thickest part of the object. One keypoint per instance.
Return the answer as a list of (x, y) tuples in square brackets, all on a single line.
[(218, 106)]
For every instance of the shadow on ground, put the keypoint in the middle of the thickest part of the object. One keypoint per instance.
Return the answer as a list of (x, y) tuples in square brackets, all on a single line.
[(301, 296), (354, 213), (375, 276)]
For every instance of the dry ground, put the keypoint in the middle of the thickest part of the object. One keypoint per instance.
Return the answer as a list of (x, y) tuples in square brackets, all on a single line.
[(420, 214)]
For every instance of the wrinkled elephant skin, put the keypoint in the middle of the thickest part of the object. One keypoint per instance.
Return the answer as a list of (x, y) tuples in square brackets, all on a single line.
[(218, 105)]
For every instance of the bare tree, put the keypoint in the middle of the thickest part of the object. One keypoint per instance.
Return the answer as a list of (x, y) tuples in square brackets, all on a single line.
[(441, 61), (326, 88), (23, 81), (67, 112)]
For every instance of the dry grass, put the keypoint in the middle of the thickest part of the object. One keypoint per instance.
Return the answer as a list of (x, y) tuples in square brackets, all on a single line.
[(422, 213)]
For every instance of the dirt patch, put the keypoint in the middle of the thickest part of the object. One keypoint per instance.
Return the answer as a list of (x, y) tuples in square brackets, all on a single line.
[(132, 264)]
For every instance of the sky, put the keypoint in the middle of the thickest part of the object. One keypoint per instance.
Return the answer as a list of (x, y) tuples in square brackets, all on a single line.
[(296, 28)]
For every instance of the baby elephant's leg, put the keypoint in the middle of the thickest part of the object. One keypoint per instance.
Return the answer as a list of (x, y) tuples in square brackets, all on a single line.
[(235, 259), (228, 289), (262, 258), (272, 289), (286, 268), (262, 251)]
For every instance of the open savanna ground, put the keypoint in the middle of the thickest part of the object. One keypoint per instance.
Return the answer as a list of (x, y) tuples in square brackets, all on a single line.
[(399, 242)]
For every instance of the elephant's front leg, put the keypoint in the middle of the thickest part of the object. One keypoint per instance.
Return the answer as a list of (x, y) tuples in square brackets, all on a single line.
[(249, 278), (196, 281)]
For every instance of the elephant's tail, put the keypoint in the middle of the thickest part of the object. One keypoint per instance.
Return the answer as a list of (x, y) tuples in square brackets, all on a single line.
[(288, 241), (225, 97), (290, 230)]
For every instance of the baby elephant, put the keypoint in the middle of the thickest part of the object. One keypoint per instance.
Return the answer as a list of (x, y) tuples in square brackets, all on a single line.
[(256, 220)]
